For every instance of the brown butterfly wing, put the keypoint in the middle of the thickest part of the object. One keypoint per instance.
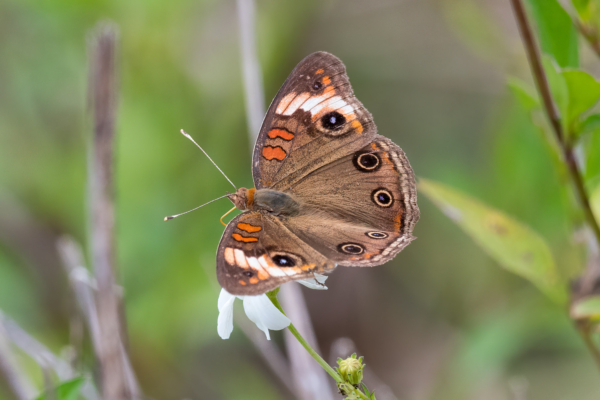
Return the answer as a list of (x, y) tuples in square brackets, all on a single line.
[(257, 253), (314, 120), (361, 209), (356, 188)]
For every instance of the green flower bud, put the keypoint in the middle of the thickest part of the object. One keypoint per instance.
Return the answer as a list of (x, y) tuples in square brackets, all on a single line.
[(351, 369)]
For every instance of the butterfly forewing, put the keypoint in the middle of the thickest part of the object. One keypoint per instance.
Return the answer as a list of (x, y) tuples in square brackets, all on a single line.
[(257, 253), (314, 119)]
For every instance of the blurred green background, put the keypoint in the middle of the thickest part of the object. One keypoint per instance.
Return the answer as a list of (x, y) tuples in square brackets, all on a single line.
[(441, 321)]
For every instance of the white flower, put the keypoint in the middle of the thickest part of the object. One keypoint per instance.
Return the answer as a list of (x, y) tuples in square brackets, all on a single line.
[(259, 309)]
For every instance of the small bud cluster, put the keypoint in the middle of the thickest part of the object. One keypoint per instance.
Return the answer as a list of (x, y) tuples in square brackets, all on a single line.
[(351, 371)]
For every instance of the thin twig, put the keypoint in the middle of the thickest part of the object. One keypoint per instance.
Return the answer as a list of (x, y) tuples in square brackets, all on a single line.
[(533, 54), (17, 380), (253, 85), (103, 96)]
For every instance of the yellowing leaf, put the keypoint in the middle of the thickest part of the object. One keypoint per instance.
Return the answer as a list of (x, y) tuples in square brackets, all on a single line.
[(513, 245), (587, 308)]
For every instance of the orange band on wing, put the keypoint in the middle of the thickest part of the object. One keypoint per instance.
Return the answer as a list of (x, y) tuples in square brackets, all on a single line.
[(271, 153), (320, 71), (282, 133), (241, 238), (248, 228), (242, 283), (398, 221), (253, 281), (326, 80)]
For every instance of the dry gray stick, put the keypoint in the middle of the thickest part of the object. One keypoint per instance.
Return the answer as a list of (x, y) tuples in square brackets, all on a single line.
[(83, 285), (103, 97), (253, 85), (309, 378), (17, 380)]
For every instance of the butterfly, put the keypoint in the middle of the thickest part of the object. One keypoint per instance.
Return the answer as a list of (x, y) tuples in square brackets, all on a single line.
[(328, 190)]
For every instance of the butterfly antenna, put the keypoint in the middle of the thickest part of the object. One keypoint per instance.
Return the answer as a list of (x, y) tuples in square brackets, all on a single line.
[(177, 215), (187, 135)]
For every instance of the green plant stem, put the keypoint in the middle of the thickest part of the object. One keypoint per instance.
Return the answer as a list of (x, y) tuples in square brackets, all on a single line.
[(307, 346), (273, 297)]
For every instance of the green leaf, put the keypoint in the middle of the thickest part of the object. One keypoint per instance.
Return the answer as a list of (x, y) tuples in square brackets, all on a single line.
[(366, 390), (524, 92), (513, 245), (590, 124), (68, 390), (583, 92), (587, 308), (557, 34)]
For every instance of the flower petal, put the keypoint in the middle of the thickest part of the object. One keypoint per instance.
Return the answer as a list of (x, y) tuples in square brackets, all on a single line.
[(264, 314), (225, 320), (317, 282)]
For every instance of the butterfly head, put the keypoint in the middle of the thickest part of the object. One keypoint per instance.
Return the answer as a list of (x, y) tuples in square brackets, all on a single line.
[(243, 198)]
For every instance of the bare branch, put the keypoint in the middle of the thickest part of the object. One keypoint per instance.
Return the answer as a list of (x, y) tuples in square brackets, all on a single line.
[(103, 97)]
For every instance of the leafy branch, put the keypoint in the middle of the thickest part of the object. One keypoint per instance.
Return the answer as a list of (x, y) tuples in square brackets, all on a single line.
[(565, 142)]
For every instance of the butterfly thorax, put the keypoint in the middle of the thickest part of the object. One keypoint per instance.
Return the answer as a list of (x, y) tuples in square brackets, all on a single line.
[(269, 200)]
